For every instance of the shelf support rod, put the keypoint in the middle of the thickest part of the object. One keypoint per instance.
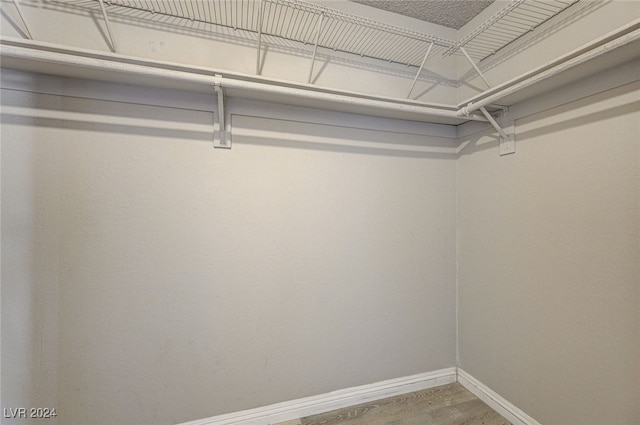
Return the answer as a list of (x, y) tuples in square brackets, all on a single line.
[(24, 22), (315, 48), (420, 69), (260, 11), (221, 141), (494, 123), (487, 115), (108, 25), (464, 52)]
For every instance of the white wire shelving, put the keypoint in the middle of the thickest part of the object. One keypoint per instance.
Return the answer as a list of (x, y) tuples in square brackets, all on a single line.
[(302, 22), (322, 27), (310, 24), (510, 23)]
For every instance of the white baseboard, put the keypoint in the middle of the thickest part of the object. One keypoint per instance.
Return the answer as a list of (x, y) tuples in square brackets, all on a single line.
[(495, 401), (340, 399)]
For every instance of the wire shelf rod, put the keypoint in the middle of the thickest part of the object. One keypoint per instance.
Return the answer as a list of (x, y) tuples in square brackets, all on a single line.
[(329, 33), (497, 36), (297, 31), (290, 26), (384, 45), (517, 23), (546, 6), (390, 48), (410, 53), (528, 18), (387, 48), (525, 19), (532, 13), (354, 39), (500, 31)]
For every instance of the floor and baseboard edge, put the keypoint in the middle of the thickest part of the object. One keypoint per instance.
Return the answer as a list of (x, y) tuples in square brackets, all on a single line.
[(295, 409), (494, 400)]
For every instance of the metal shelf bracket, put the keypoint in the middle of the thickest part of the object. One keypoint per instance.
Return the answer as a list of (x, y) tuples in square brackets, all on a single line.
[(507, 141), (221, 137)]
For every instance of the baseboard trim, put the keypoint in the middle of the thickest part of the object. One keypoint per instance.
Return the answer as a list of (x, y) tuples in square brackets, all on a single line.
[(340, 399), (494, 400)]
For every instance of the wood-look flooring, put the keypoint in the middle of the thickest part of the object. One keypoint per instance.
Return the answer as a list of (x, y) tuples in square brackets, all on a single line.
[(450, 404)]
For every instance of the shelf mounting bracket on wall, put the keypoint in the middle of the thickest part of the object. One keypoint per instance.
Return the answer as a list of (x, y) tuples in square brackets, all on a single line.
[(507, 142), (220, 137)]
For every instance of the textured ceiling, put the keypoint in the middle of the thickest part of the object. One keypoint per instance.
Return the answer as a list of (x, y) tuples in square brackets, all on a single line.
[(450, 13)]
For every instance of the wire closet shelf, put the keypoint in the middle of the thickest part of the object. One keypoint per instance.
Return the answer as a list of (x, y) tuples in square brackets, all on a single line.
[(323, 27), (512, 22)]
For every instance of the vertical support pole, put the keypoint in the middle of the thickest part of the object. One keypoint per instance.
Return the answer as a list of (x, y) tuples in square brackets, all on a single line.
[(26, 27), (106, 21), (222, 141), (315, 48), (260, 11), (464, 52), (420, 69)]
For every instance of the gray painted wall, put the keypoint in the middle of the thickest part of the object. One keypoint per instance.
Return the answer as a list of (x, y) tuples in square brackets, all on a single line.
[(148, 278), (549, 262)]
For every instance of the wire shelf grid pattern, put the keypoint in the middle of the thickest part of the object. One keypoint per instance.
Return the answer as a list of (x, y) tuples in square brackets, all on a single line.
[(302, 22), (512, 22), (308, 23)]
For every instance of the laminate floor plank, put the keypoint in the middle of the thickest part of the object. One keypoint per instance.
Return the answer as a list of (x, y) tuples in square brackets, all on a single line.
[(445, 405)]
